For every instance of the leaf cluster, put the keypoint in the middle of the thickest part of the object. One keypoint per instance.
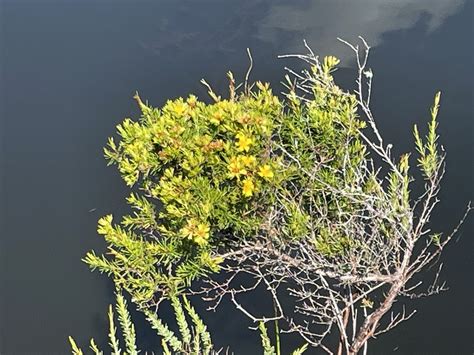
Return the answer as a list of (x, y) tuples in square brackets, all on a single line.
[(320, 137), (209, 174), (193, 337), (210, 168)]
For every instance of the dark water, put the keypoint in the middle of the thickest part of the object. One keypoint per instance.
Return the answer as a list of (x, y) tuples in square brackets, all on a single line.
[(69, 70)]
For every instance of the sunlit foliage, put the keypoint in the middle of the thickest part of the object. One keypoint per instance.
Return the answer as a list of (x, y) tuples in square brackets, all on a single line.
[(193, 337), (207, 174), (299, 193)]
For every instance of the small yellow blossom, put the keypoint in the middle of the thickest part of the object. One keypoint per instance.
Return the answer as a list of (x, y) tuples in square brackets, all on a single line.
[(248, 187), (244, 119), (243, 143), (217, 117), (202, 234), (190, 229), (236, 168), (179, 108), (198, 232), (192, 101), (261, 121), (248, 160), (266, 172)]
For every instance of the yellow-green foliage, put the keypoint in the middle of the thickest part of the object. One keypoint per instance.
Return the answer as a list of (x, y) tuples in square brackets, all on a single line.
[(429, 156), (127, 331), (209, 166), (322, 134), (193, 337), (269, 349), (206, 174)]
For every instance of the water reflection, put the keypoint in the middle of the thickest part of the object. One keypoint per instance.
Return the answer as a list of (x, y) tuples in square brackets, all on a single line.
[(320, 22), (283, 24)]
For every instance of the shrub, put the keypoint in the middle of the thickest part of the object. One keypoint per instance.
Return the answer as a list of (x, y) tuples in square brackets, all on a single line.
[(208, 174), (299, 192)]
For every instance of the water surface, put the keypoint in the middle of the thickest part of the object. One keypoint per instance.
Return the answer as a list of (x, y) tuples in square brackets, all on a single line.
[(69, 69)]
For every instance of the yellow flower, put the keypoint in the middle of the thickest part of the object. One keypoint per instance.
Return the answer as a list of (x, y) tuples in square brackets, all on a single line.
[(243, 143), (217, 117), (192, 101), (236, 168), (198, 232), (248, 187), (190, 229), (266, 172), (179, 108), (201, 234), (244, 119), (248, 160), (261, 121)]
